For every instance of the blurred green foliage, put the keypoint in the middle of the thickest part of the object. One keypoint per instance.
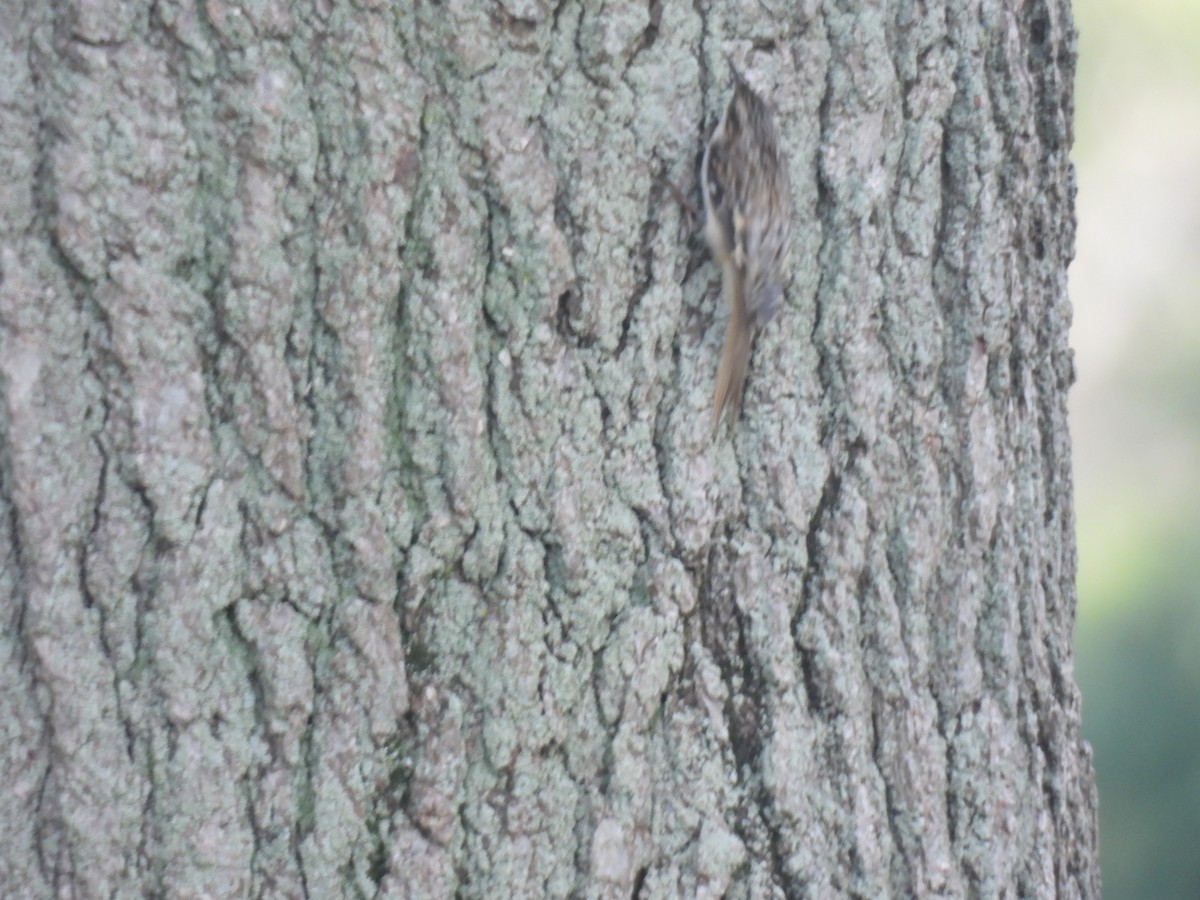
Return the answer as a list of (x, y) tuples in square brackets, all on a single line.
[(1135, 287), (1140, 674)]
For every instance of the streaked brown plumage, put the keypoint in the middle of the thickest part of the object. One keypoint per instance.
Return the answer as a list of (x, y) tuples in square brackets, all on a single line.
[(748, 223)]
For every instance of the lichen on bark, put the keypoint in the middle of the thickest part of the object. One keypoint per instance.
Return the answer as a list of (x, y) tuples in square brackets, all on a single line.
[(362, 533)]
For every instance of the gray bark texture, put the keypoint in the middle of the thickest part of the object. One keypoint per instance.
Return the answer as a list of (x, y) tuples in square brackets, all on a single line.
[(361, 530)]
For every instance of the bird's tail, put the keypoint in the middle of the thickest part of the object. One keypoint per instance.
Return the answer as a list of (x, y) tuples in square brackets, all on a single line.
[(735, 359)]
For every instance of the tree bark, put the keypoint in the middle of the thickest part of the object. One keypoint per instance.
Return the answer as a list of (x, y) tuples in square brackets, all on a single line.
[(361, 530)]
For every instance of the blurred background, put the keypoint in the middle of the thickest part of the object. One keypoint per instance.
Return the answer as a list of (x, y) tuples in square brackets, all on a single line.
[(1135, 419)]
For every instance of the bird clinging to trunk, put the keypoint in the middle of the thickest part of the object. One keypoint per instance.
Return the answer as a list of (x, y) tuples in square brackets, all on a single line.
[(748, 224)]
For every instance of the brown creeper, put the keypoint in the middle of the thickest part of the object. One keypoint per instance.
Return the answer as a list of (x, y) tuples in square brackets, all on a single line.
[(748, 223)]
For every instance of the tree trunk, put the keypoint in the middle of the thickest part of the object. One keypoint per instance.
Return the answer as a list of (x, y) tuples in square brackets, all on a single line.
[(362, 533)]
